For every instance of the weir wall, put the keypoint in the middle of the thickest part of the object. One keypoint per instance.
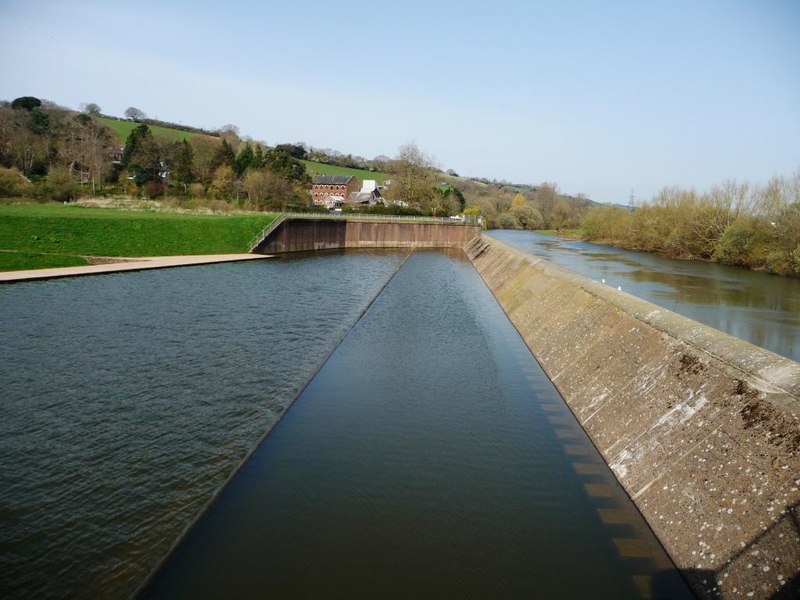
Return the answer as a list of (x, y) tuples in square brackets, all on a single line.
[(700, 428), (300, 235)]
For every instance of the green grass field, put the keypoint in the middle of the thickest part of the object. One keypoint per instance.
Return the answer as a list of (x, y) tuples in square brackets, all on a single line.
[(315, 168), (56, 235), (124, 128)]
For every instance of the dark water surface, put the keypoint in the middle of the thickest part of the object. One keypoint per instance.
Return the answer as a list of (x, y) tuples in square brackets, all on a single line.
[(759, 308), (128, 399), (429, 458)]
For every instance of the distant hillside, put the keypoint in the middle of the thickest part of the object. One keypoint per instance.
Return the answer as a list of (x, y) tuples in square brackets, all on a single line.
[(123, 128), (316, 168)]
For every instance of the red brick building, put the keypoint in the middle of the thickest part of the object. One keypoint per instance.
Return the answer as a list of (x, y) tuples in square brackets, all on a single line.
[(333, 185)]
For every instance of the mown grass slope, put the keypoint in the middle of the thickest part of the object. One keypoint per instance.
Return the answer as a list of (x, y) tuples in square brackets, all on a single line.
[(315, 168), (50, 235), (124, 128)]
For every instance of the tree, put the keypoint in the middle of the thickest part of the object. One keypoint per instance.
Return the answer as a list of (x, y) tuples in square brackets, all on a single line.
[(86, 144), (296, 150), (134, 114), (26, 103), (206, 156), (223, 184), (447, 200), (279, 161), (91, 109), (528, 217), (142, 155), (182, 164), (545, 198), (508, 221), (412, 177), (244, 160), (228, 155)]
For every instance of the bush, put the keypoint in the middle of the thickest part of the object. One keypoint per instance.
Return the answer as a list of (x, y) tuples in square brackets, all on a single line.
[(740, 242), (154, 189), (196, 190), (508, 221), (13, 184), (60, 185)]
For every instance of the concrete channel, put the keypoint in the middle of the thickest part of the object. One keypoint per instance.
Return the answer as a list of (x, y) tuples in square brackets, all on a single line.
[(700, 428)]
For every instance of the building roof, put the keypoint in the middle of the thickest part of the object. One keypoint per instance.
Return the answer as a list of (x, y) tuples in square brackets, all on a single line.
[(332, 179)]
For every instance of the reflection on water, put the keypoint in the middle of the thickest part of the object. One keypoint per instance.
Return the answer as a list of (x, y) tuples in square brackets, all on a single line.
[(429, 458), (759, 308)]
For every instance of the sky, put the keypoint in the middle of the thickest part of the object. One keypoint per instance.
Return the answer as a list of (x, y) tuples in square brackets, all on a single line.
[(606, 99)]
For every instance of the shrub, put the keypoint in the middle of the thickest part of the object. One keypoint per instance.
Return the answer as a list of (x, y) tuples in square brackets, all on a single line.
[(60, 185), (508, 221), (196, 190), (13, 183), (154, 189)]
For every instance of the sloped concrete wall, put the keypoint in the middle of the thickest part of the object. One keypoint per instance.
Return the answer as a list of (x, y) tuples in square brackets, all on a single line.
[(701, 429), (301, 235)]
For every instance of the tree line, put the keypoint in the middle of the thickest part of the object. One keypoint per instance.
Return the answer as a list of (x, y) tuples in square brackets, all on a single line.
[(756, 226), (50, 152)]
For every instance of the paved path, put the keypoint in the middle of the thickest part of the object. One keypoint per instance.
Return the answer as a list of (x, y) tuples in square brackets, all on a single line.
[(140, 264)]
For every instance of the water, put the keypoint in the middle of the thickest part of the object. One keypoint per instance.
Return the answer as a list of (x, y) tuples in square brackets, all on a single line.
[(759, 308), (129, 398), (429, 458)]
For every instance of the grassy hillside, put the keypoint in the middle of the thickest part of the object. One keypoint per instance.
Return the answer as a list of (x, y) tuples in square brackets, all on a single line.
[(315, 168), (123, 129), (53, 235)]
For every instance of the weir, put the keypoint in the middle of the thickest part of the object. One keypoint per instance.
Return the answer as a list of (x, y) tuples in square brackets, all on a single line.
[(700, 428), (304, 232)]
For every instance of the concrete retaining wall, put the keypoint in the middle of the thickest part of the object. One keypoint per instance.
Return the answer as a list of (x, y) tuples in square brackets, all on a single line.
[(298, 235), (701, 429)]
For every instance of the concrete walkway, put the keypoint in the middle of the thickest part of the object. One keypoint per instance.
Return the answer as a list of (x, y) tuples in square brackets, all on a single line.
[(136, 264)]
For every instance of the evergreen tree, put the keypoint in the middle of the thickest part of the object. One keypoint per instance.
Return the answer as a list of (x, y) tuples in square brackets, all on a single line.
[(142, 156), (182, 169), (244, 160), (258, 157), (228, 156)]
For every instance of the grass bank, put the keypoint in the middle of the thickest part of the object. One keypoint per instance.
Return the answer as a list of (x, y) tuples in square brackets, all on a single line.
[(315, 168), (124, 128), (55, 235)]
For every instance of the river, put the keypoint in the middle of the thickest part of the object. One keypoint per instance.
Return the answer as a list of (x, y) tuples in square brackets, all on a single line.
[(760, 308), (428, 457)]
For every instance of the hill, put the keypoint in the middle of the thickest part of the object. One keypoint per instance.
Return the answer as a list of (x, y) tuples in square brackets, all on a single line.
[(122, 128), (316, 168)]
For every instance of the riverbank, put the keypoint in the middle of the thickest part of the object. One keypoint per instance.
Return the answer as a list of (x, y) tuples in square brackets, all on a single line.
[(36, 236), (136, 264), (700, 428)]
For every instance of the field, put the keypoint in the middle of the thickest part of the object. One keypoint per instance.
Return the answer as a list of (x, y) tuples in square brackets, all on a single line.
[(315, 168), (54, 235), (124, 128)]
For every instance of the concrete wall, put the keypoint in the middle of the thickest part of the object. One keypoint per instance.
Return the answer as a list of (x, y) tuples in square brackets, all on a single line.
[(701, 429), (297, 235)]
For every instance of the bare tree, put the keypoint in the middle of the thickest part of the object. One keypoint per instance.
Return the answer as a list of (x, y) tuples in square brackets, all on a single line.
[(134, 114), (90, 108)]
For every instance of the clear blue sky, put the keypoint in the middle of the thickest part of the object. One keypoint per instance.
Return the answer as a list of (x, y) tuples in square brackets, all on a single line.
[(598, 97)]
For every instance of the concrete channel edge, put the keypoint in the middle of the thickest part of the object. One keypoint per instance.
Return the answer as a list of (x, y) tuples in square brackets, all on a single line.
[(700, 428)]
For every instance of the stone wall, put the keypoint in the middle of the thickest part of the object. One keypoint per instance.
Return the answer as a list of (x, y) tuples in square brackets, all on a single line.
[(700, 428)]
